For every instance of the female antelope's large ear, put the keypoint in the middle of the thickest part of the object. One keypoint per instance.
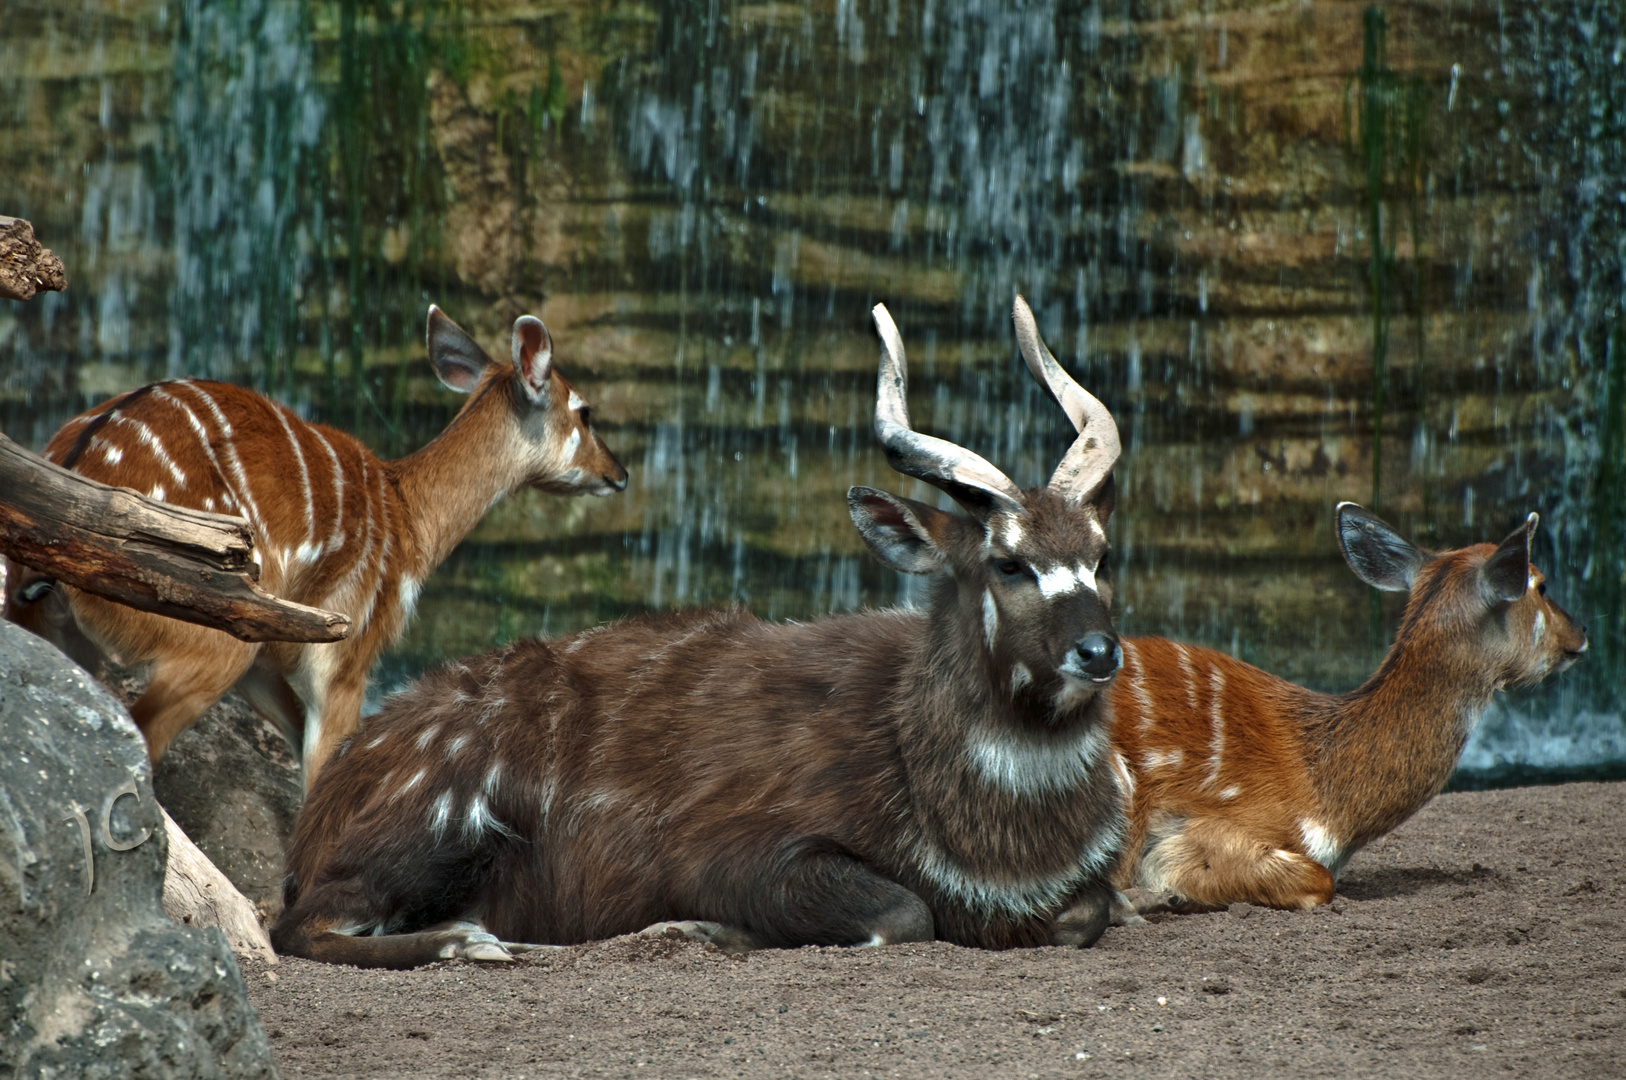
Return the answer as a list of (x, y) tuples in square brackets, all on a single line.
[(1379, 556), (533, 356), (459, 361), (898, 530), (1506, 574)]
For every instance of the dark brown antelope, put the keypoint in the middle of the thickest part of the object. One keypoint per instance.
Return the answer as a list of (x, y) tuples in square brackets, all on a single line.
[(1249, 788), (882, 777), (334, 526)]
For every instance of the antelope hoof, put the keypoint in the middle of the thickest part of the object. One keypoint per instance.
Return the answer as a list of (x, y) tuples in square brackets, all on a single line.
[(692, 929), (1124, 912), (1146, 902), (726, 938), (526, 946), (475, 945)]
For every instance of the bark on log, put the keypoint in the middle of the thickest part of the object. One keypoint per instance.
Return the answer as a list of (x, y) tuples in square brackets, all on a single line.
[(25, 266), (172, 560), (198, 894)]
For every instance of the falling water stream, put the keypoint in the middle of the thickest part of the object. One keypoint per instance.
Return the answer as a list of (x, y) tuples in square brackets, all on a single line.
[(1305, 253)]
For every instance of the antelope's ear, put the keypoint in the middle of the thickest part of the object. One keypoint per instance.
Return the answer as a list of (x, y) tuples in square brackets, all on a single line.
[(1506, 574), (459, 361), (533, 356), (899, 531), (1379, 556)]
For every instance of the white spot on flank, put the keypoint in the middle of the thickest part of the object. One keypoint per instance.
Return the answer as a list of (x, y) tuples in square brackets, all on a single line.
[(409, 594), (1062, 580), (1231, 792), (1020, 677), (308, 552), (378, 740), (428, 736), (440, 812), (480, 819), (209, 502), (990, 618), (1156, 759), (1318, 843), (456, 743), (114, 455), (158, 492), (1032, 769), (1540, 628), (492, 775), (410, 784)]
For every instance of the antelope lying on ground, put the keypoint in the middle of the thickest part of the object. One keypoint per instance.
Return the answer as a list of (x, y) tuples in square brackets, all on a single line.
[(881, 777), (1250, 788), (334, 526)]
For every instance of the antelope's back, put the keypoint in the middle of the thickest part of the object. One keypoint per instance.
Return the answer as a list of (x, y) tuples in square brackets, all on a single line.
[(314, 496)]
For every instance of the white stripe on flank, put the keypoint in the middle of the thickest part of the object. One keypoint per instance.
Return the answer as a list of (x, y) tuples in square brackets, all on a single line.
[(149, 438), (239, 477), (1216, 713), (335, 539), (1137, 684), (304, 480), (1186, 669)]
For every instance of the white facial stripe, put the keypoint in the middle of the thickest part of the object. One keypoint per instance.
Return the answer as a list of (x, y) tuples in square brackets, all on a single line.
[(1540, 628), (1062, 580), (990, 617), (1012, 534)]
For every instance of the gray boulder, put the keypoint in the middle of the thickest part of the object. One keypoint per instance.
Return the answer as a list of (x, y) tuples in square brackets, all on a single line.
[(232, 783), (95, 981)]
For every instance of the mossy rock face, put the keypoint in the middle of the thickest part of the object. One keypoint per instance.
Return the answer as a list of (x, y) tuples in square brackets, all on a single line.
[(95, 980)]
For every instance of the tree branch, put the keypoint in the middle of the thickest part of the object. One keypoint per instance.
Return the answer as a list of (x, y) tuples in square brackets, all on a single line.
[(171, 560)]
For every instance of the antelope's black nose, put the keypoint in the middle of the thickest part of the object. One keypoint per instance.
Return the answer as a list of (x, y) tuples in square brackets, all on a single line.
[(1099, 655)]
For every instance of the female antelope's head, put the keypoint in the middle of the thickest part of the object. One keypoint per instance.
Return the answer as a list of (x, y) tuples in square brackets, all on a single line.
[(1486, 604), (1028, 575), (555, 447)]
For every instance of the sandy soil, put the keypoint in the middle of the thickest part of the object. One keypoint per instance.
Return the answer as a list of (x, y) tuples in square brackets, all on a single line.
[(1486, 936)]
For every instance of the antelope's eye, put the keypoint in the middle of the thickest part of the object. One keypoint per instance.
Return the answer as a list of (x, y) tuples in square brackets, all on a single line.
[(586, 413), (1104, 567), (1541, 588), (1008, 567)]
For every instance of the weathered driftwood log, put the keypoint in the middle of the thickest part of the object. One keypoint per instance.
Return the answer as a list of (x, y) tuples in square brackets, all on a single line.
[(198, 894), (25, 266), (175, 561)]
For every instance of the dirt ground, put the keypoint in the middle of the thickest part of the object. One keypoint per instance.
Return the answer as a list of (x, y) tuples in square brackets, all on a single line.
[(1486, 937)]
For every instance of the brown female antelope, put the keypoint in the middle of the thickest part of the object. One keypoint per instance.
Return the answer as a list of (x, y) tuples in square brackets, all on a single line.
[(1247, 787), (334, 526), (882, 777)]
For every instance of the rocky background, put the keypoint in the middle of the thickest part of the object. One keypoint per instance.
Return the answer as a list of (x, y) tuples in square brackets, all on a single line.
[(95, 980), (1308, 253)]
